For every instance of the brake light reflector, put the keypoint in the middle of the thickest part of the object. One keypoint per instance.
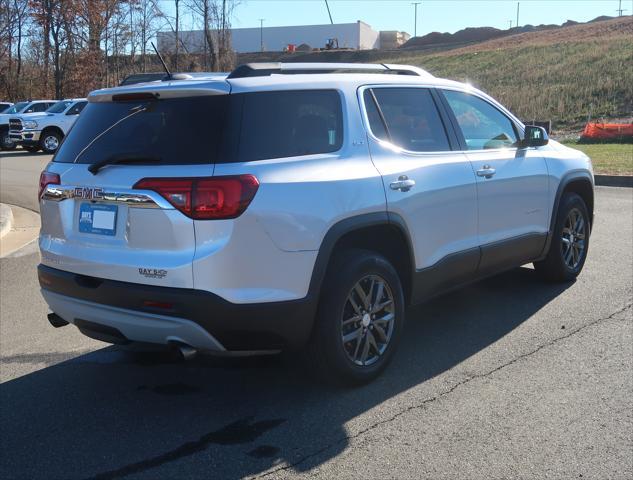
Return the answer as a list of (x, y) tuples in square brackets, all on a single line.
[(47, 178), (206, 198)]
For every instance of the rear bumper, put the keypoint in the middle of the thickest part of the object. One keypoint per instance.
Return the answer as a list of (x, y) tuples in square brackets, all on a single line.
[(197, 318)]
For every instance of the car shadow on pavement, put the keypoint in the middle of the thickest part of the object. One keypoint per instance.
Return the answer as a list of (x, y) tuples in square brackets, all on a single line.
[(114, 414)]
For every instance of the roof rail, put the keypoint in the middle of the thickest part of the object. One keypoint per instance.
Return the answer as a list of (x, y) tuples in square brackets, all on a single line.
[(267, 69)]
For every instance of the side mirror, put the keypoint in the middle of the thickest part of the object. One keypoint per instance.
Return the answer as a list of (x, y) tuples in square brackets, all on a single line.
[(535, 136)]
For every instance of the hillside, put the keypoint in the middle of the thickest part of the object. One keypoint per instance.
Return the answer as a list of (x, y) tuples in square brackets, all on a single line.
[(564, 74)]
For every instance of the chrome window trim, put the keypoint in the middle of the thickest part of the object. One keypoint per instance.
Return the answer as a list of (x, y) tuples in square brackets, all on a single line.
[(132, 198)]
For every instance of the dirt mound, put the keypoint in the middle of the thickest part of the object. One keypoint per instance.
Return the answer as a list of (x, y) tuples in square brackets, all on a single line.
[(484, 34)]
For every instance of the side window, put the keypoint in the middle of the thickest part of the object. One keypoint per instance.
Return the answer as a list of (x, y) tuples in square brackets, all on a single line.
[(412, 119), (40, 107), (77, 108), (289, 123), (482, 125)]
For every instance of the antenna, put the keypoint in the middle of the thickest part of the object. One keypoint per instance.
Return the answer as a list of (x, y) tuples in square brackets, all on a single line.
[(160, 57)]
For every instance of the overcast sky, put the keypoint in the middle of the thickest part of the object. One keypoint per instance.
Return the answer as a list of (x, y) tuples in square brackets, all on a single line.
[(433, 15)]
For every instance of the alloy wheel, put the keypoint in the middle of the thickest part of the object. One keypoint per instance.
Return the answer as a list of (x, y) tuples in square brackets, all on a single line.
[(51, 143), (368, 320), (573, 239)]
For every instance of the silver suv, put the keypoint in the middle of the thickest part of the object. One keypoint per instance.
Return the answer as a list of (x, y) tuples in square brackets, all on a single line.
[(298, 206)]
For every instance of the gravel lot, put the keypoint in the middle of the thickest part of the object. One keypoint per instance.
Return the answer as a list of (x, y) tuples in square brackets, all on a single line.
[(508, 378)]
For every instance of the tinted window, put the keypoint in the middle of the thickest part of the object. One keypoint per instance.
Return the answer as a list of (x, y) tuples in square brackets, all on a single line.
[(4, 106), (413, 121), (76, 110), (373, 116), (174, 131), (288, 123), (59, 107), (482, 125), (224, 128), (39, 107)]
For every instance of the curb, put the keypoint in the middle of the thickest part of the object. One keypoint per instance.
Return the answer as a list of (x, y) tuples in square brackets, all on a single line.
[(25, 227), (6, 219), (614, 180)]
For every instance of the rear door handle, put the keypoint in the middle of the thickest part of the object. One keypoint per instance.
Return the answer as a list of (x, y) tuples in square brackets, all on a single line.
[(487, 171), (403, 184)]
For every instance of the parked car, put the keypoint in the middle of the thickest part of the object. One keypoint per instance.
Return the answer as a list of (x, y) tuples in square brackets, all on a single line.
[(298, 206), (45, 131), (4, 106), (31, 106)]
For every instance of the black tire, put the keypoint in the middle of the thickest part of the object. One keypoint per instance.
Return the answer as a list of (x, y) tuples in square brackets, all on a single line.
[(50, 146), (5, 141), (328, 355), (561, 265)]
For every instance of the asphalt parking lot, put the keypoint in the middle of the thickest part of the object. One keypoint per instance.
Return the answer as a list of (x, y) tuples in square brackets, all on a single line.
[(508, 378)]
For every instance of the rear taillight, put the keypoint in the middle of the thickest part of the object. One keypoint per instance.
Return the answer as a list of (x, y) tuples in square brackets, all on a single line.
[(47, 178), (207, 198)]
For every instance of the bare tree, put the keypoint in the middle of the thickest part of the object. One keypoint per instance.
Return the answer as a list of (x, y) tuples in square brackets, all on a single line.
[(148, 16), (215, 18)]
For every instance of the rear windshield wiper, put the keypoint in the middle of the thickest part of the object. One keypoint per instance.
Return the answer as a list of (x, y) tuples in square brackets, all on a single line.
[(133, 111), (124, 158)]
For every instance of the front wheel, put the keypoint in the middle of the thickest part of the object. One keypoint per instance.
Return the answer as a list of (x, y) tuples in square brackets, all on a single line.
[(570, 241), (359, 320), (50, 142)]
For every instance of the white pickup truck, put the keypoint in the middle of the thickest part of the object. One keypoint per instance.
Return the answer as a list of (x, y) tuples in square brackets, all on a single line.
[(29, 106), (45, 131)]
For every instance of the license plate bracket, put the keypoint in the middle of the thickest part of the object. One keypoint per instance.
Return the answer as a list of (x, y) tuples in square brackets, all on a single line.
[(98, 218)]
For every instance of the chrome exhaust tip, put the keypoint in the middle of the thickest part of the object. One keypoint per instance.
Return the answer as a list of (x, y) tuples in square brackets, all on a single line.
[(186, 352)]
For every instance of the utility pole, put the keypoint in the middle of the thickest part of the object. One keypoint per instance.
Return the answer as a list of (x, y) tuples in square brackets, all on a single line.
[(415, 18), (329, 13), (518, 5), (510, 22), (620, 9), (261, 33)]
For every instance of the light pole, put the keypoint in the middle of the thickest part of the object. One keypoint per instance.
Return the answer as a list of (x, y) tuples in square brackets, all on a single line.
[(518, 6), (415, 18), (261, 33)]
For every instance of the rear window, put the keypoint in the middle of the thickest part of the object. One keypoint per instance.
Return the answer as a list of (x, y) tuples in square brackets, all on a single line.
[(212, 129), (174, 131)]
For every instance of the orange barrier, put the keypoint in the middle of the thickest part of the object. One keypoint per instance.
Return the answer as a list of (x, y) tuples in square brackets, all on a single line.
[(608, 131)]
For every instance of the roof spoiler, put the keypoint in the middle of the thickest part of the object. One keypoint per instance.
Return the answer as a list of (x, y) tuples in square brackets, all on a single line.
[(271, 68)]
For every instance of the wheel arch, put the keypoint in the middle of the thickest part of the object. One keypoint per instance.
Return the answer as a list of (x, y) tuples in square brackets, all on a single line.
[(579, 182), (382, 232), (53, 128)]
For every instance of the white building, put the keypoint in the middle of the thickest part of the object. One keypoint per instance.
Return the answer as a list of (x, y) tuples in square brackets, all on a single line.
[(357, 35)]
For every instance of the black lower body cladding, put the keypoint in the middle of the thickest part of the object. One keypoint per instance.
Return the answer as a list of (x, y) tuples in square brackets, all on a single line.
[(260, 326)]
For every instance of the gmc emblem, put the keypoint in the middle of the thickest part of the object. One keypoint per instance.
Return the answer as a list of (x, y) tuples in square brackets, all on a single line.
[(88, 193)]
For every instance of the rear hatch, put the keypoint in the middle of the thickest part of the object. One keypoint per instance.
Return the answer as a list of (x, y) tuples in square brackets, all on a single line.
[(97, 218)]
